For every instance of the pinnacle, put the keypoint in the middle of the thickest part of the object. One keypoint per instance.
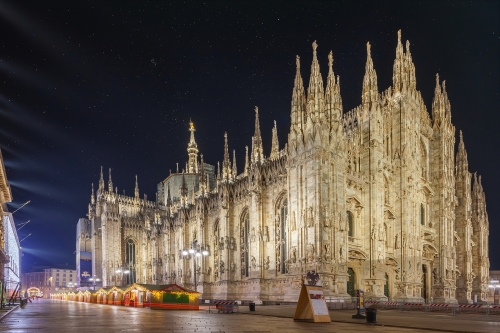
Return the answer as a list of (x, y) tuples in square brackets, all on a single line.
[(330, 63), (314, 46), (438, 87)]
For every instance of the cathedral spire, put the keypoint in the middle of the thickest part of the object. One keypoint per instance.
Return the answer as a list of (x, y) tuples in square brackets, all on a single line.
[(245, 171), (298, 99), (441, 109), (370, 87), (110, 182), (274, 144), (461, 160), (437, 104), (235, 171), (315, 90), (446, 101), (92, 197), (257, 150), (192, 164), (403, 77), (203, 176), (136, 187), (101, 182), (333, 101), (226, 163)]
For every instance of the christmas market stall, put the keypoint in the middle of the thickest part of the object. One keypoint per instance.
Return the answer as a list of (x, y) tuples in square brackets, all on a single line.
[(115, 296), (175, 297)]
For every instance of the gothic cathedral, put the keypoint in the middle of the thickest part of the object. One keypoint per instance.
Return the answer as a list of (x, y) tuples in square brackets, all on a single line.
[(372, 199)]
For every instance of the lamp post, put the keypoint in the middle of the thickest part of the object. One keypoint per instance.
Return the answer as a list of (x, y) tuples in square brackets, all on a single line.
[(122, 271), (94, 279), (197, 251)]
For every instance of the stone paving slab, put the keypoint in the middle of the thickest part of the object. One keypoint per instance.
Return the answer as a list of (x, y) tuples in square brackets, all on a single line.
[(437, 321), (61, 316)]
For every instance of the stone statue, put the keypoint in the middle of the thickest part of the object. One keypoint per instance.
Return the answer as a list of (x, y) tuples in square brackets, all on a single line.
[(374, 232), (252, 235), (327, 255), (293, 256), (381, 232), (267, 263), (310, 252), (310, 217)]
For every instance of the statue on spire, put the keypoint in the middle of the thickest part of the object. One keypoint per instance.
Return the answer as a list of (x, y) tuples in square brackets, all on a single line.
[(101, 182), (257, 150), (192, 164), (274, 144), (110, 182), (136, 187)]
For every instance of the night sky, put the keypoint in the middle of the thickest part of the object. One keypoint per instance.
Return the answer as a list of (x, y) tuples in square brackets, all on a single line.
[(85, 84)]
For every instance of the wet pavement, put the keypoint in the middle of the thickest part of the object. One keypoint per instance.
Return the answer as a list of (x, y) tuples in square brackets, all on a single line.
[(443, 321), (63, 316)]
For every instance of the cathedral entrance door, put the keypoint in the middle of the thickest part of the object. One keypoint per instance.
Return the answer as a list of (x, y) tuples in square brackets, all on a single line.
[(350, 282), (386, 286)]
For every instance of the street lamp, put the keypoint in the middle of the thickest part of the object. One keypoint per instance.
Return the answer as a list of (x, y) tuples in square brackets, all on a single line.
[(197, 251), (94, 279), (122, 271)]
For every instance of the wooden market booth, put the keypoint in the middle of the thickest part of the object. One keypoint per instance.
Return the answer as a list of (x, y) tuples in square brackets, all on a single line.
[(115, 296), (175, 297), (170, 296)]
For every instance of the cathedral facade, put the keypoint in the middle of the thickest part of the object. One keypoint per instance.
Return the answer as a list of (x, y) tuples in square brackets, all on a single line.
[(373, 199)]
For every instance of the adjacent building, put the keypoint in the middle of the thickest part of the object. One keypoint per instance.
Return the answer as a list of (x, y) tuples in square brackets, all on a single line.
[(10, 249), (373, 198), (12, 268)]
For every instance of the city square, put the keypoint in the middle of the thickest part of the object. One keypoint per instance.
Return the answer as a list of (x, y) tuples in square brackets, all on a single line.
[(252, 166), (58, 316)]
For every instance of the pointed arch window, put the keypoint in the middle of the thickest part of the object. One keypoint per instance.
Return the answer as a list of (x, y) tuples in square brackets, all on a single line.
[(246, 243), (386, 191), (283, 235), (422, 214), (423, 160), (217, 232), (130, 260), (350, 223)]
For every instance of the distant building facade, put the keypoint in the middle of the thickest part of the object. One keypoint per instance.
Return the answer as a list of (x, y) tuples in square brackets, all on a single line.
[(49, 280), (84, 254), (372, 199)]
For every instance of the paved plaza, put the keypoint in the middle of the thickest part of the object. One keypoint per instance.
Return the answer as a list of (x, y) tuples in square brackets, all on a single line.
[(60, 316)]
